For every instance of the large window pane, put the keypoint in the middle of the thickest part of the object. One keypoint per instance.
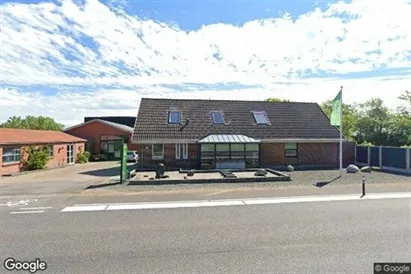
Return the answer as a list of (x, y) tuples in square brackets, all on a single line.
[(290, 153), (251, 147), (207, 151), (207, 147), (252, 155), (222, 151), (11, 155), (237, 151), (207, 156), (158, 151), (290, 146)]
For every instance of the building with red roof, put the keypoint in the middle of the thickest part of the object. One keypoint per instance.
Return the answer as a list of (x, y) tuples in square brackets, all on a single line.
[(63, 147)]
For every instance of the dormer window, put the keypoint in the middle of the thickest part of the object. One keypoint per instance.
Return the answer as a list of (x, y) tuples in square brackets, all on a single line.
[(218, 117), (260, 117), (174, 117)]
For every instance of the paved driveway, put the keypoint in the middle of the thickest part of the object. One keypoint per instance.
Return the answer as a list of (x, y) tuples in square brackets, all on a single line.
[(69, 179)]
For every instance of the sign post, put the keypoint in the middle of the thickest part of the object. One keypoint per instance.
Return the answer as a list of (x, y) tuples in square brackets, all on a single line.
[(124, 170)]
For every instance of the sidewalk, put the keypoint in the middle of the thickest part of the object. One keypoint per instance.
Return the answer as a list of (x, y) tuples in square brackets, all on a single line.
[(210, 192)]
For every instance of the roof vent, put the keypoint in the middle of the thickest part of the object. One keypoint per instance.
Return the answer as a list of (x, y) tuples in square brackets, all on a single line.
[(185, 124)]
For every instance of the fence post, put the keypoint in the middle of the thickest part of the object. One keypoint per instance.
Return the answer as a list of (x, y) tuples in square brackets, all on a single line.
[(380, 156), (355, 153), (408, 160), (369, 156)]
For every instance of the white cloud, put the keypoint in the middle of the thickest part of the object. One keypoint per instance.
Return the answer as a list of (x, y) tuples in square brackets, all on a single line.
[(69, 107), (96, 45)]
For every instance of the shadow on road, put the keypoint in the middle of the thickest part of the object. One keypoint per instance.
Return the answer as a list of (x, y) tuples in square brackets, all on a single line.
[(324, 183), (108, 172), (104, 185)]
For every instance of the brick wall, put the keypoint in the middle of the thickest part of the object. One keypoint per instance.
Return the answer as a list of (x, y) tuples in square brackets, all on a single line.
[(59, 158), (271, 155), (348, 153), (169, 161), (318, 154), (95, 130)]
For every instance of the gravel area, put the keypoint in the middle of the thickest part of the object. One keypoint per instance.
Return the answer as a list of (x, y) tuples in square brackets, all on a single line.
[(299, 178), (175, 175), (324, 176)]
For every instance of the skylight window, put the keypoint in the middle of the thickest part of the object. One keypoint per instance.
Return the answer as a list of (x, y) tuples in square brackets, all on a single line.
[(260, 118), (174, 117), (218, 117)]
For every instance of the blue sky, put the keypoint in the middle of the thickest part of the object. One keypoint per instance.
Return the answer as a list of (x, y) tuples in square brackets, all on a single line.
[(192, 15), (71, 58)]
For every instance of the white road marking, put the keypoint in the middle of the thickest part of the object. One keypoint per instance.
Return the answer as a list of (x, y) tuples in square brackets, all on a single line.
[(174, 205), (27, 212), (84, 208), (398, 195), (35, 208), (299, 200), (19, 203), (235, 202)]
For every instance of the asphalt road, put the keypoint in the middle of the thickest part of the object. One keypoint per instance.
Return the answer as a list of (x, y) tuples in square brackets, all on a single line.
[(327, 237)]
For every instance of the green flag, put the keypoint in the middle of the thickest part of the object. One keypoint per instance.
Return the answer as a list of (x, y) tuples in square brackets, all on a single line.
[(336, 113)]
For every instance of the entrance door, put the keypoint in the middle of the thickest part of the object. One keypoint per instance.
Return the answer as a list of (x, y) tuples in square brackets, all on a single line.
[(70, 154)]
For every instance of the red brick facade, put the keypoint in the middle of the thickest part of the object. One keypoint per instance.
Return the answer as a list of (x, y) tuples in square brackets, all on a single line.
[(318, 154), (271, 155), (94, 130), (169, 161), (59, 158)]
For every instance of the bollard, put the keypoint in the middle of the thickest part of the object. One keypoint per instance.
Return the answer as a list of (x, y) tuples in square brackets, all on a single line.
[(363, 185)]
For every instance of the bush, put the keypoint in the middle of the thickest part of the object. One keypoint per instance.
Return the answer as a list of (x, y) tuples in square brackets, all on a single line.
[(365, 144), (37, 158), (83, 157)]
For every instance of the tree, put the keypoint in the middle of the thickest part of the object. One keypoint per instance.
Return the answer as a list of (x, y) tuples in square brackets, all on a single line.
[(350, 115), (373, 123), (399, 130), (406, 97), (275, 100), (32, 122)]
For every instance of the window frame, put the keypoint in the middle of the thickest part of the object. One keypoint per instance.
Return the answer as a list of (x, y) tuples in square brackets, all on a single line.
[(15, 155), (238, 154), (214, 118), (158, 157), (260, 114), (50, 147), (170, 116), (184, 155), (294, 149)]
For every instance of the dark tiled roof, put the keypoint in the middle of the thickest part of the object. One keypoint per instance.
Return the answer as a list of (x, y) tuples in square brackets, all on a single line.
[(287, 120), (123, 120)]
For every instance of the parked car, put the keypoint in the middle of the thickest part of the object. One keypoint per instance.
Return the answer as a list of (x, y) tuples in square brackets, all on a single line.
[(132, 156)]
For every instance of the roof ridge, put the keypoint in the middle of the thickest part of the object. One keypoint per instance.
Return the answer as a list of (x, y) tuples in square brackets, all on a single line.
[(224, 100), (49, 130)]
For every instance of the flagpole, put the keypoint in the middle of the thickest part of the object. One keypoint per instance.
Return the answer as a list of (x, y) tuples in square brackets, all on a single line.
[(341, 136)]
